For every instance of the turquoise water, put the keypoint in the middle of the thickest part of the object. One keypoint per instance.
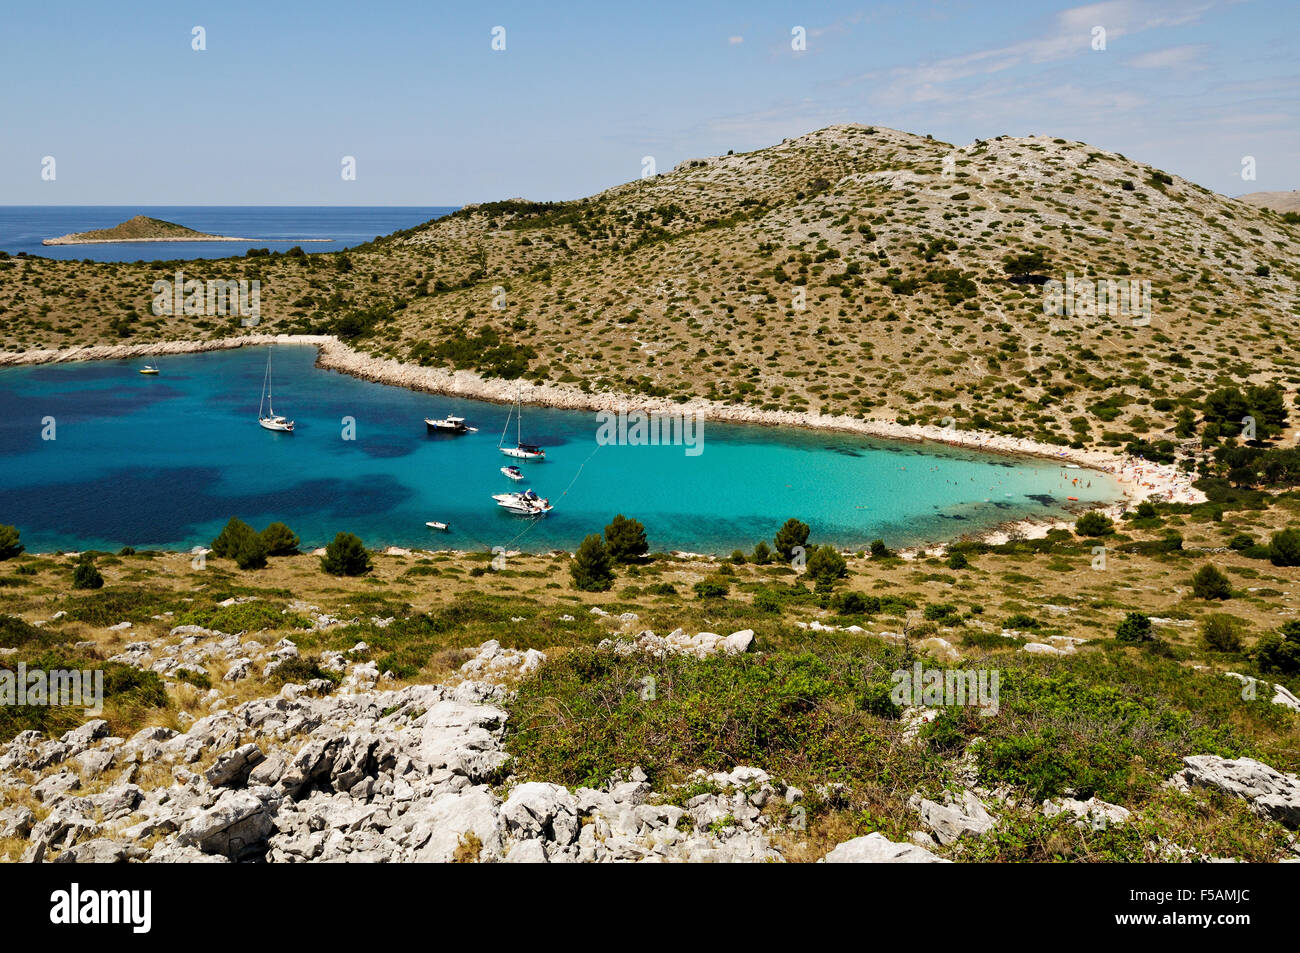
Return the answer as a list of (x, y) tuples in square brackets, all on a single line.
[(164, 461)]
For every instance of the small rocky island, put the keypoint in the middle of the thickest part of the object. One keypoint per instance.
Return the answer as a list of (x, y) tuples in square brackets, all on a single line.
[(142, 228)]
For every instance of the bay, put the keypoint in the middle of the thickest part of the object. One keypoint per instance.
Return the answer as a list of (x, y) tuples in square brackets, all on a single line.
[(164, 461)]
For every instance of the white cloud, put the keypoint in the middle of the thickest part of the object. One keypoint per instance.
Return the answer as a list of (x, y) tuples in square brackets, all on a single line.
[(1172, 57), (735, 40), (1068, 34)]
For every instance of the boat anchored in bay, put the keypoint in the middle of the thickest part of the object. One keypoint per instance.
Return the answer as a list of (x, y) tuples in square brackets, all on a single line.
[(521, 450), (271, 420), (527, 503), (449, 424)]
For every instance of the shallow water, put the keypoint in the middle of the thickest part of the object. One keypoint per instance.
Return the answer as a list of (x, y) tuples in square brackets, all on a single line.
[(164, 461)]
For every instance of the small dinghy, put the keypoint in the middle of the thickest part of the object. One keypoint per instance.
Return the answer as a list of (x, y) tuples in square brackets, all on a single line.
[(513, 472), (434, 524)]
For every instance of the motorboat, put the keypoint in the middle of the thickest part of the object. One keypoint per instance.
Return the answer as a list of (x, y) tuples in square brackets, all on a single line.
[(512, 472), (435, 524), (527, 503), (449, 424)]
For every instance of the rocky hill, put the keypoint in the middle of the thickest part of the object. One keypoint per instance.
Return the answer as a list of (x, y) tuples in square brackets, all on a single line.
[(854, 270), (1277, 201)]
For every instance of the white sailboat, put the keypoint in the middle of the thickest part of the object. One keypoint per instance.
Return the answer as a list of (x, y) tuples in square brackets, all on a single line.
[(150, 368), (521, 450), (271, 420)]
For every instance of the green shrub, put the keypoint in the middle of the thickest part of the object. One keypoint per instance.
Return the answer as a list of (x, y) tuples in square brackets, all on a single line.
[(250, 552), (1094, 523), (85, 575), (879, 550), (1284, 549), (228, 541), (279, 540), (826, 565), (591, 568), (301, 670), (765, 600), (198, 679), (1221, 633), (346, 555), (940, 612), (957, 561), (254, 616), (17, 633), (711, 588), (9, 544), (1280, 651), (1019, 621), (1134, 629), (855, 603), (762, 554), (791, 534), (625, 540), (1209, 583)]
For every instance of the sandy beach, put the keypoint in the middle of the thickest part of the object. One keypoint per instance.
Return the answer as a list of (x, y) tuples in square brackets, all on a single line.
[(1136, 479)]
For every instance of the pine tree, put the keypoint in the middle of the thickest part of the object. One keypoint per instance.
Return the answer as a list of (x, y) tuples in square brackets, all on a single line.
[(592, 569)]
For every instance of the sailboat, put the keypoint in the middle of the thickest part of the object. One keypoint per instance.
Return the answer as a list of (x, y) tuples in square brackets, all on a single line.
[(521, 450), (150, 368), (271, 420)]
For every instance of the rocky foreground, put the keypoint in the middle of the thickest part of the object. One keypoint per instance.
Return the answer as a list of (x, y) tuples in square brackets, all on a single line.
[(420, 773)]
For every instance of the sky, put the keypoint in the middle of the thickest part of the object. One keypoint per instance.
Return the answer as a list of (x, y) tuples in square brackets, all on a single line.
[(582, 92)]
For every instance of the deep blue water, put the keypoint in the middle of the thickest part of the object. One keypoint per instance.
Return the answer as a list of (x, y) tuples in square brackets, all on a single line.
[(23, 227), (164, 461)]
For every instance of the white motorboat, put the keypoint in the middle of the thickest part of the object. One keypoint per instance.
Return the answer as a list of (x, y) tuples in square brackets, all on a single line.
[(527, 503), (271, 420), (449, 424), (512, 472), (521, 450), (434, 524)]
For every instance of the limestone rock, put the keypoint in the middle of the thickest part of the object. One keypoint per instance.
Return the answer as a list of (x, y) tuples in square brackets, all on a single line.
[(878, 849)]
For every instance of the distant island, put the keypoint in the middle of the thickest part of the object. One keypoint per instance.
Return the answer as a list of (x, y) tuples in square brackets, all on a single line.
[(145, 229)]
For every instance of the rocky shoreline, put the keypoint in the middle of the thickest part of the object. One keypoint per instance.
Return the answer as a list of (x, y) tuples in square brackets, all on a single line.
[(1136, 480)]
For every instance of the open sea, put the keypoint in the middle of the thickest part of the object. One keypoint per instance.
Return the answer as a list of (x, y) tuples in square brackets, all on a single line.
[(164, 461), (23, 227)]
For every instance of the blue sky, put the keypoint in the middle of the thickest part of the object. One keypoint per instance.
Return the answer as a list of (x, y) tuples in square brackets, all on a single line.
[(583, 90)]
